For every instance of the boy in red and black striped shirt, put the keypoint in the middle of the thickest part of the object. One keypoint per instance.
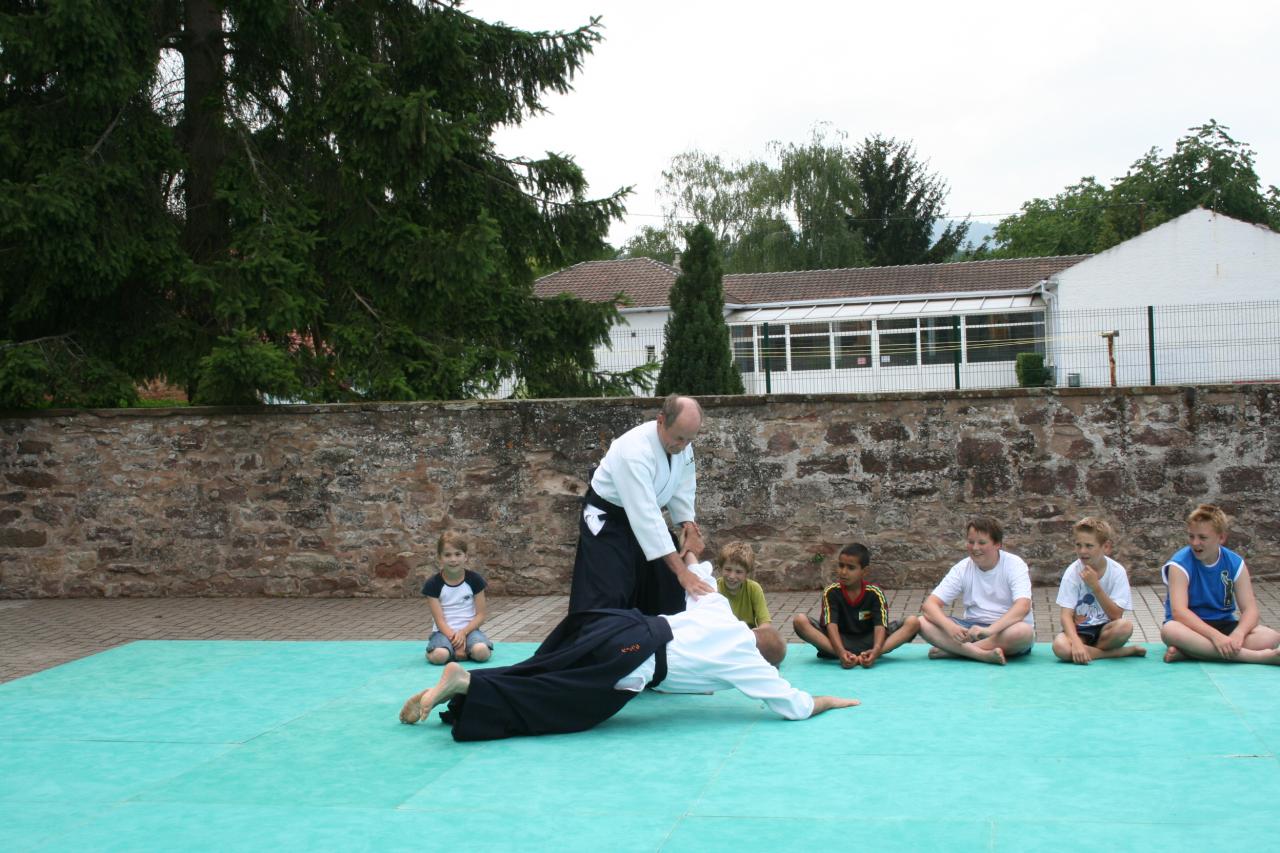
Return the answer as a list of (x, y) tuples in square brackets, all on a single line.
[(855, 627)]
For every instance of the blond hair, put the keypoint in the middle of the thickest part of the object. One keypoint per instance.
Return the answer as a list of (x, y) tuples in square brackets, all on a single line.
[(451, 537), (1209, 514), (740, 553), (1097, 527)]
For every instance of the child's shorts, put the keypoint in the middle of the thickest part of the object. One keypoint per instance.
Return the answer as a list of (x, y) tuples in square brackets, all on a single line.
[(1222, 626), (1089, 634), (440, 641), (971, 623), (856, 643)]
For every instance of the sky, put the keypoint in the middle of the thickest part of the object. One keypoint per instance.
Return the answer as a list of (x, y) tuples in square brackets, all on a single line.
[(1007, 101)]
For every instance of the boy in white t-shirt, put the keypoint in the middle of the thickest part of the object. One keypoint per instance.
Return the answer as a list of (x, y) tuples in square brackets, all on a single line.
[(996, 589), (1093, 595)]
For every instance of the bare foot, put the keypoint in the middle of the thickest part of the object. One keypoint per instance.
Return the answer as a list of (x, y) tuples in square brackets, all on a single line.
[(412, 710), (936, 653), (1172, 655), (995, 656), (453, 681), (1135, 651)]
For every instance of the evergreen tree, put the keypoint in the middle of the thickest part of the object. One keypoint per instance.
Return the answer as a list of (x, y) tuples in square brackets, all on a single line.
[(698, 359), (258, 197), (901, 201)]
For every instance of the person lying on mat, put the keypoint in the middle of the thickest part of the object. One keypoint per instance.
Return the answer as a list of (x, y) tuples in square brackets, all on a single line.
[(596, 661)]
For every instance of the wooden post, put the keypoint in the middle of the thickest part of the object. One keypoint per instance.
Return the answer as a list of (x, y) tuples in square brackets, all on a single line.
[(1111, 351)]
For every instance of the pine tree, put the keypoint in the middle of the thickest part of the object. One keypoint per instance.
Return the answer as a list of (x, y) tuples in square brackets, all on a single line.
[(258, 197), (697, 357)]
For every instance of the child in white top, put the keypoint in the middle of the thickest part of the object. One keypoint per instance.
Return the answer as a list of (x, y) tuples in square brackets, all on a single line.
[(455, 595), (996, 588), (1093, 595)]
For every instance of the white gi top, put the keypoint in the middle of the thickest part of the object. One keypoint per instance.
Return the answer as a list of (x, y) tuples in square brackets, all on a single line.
[(987, 595), (712, 650), (636, 476)]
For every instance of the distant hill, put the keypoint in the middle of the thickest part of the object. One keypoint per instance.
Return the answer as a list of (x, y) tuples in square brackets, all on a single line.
[(978, 231)]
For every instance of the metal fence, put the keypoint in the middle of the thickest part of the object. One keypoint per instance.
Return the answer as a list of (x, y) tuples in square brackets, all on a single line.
[(1151, 345)]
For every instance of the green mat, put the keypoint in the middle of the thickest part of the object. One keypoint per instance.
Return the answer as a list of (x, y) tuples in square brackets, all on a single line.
[(295, 746)]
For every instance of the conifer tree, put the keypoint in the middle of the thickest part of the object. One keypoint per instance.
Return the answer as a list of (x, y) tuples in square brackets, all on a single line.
[(271, 197), (697, 358)]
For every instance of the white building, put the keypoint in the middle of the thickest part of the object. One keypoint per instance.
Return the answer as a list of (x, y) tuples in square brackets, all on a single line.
[(961, 325)]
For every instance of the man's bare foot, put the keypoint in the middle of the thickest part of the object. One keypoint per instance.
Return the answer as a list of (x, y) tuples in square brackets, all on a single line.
[(412, 710), (936, 653), (1173, 655), (1133, 651), (453, 681)]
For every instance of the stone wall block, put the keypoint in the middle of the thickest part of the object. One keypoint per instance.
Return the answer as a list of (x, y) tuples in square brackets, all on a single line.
[(205, 502)]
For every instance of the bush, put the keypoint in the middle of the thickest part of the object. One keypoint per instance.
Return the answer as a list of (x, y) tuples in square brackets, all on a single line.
[(1031, 371)]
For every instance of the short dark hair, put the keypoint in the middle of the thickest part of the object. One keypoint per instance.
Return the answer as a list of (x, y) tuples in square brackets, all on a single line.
[(856, 549), (988, 525)]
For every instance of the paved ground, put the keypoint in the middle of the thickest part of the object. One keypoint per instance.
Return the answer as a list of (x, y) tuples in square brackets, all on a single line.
[(42, 633)]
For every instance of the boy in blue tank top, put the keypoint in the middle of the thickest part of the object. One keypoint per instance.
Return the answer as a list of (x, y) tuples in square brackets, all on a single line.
[(1207, 583)]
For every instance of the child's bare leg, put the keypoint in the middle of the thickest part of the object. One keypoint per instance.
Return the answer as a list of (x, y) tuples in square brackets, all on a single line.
[(1184, 642), (1015, 639), (905, 634), (480, 652), (453, 681), (811, 635), (1111, 642), (1262, 638), (941, 639), (438, 656)]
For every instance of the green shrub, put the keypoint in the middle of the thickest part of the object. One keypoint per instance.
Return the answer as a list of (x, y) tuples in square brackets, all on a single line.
[(1031, 371)]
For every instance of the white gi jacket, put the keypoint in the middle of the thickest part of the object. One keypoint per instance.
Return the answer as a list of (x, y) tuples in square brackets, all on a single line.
[(713, 650), (635, 475)]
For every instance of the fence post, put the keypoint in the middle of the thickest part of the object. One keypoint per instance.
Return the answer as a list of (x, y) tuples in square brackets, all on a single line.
[(955, 355), (1151, 341), (768, 375)]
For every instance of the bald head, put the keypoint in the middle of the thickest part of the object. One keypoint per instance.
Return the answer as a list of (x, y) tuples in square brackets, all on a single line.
[(770, 644), (678, 423)]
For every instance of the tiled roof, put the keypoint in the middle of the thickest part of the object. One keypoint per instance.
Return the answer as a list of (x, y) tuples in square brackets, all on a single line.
[(646, 282)]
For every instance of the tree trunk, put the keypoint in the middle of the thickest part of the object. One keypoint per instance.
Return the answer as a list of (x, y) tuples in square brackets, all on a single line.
[(206, 233)]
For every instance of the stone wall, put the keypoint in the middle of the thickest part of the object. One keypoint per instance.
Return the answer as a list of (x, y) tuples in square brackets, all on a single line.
[(348, 500)]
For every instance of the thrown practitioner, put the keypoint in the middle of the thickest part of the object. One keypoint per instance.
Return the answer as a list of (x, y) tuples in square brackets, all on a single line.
[(596, 661)]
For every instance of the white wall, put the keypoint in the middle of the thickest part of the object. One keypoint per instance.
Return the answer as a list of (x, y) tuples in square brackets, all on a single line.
[(1214, 283), (1198, 258)]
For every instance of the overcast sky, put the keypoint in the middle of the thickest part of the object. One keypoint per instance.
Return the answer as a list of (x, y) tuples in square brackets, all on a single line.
[(1006, 100)]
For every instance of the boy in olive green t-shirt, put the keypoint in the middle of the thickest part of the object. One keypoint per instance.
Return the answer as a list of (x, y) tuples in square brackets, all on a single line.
[(746, 597)]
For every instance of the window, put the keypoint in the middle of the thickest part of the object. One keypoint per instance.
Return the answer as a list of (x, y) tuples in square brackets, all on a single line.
[(650, 356), (773, 347), (853, 344), (939, 340), (1000, 337), (897, 342), (744, 351), (810, 346)]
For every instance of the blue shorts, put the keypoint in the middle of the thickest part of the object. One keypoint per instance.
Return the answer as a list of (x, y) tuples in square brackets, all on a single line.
[(440, 641), (974, 623)]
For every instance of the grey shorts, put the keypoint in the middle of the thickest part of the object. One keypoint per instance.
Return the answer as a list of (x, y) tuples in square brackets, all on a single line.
[(969, 623), (440, 641)]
